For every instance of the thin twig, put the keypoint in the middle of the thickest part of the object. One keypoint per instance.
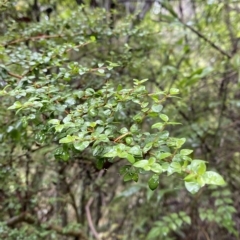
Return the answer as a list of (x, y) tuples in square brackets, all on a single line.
[(78, 46), (207, 40), (205, 234), (199, 34), (34, 38), (14, 75), (87, 208), (89, 218)]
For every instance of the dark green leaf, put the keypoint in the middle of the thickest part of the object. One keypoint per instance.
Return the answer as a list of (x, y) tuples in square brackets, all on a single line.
[(153, 182)]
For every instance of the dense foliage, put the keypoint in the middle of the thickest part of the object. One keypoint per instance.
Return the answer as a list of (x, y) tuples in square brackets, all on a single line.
[(102, 104)]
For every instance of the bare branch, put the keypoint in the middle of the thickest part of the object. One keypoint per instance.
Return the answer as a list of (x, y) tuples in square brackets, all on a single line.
[(208, 41), (87, 208), (34, 38), (89, 218), (199, 34), (14, 75)]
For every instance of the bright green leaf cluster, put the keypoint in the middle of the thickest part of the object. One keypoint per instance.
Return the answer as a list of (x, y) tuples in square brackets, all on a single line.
[(93, 124)]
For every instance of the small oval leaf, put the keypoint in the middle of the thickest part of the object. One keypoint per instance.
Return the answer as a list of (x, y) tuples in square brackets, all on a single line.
[(153, 182)]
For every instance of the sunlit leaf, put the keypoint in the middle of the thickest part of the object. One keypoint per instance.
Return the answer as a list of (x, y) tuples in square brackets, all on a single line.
[(192, 187), (164, 117), (67, 139), (213, 178), (141, 164)]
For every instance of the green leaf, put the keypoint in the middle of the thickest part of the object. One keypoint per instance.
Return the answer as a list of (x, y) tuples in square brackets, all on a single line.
[(154, 233), (71, 101), (200, 180), (79, 94), (54, 121), (213, 178), (59, 127), (180, 142), (67, 139), (93, 124), (65, 156), (101, 70), (190, 177), (99, 130), (176, 165), (130, 158), (40, 137), (156, 167), (192, 187), (123, 130), (67, 119), (61, 153), (97, 150), (187, 219), (147, 168), (135, 177), (16, 105), (121, 147), (164, 117), (158, 125), (135, 150), (80, 146), (99, 163), (164, 155), (198, 166), (124, 169), (139, 117), (141, 164), (201, 168), (134, 128), (151, 160), (127, 177), (110, 154), (89, 92), (128, 140), (174, 91), (157, 108), (93, 38), (165, 166), (185, 152), (153, 182), (147, 147), (177, 158), (121, 154)]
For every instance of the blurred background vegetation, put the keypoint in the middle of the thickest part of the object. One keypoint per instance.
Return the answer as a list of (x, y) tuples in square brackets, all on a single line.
[(192, 45)]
